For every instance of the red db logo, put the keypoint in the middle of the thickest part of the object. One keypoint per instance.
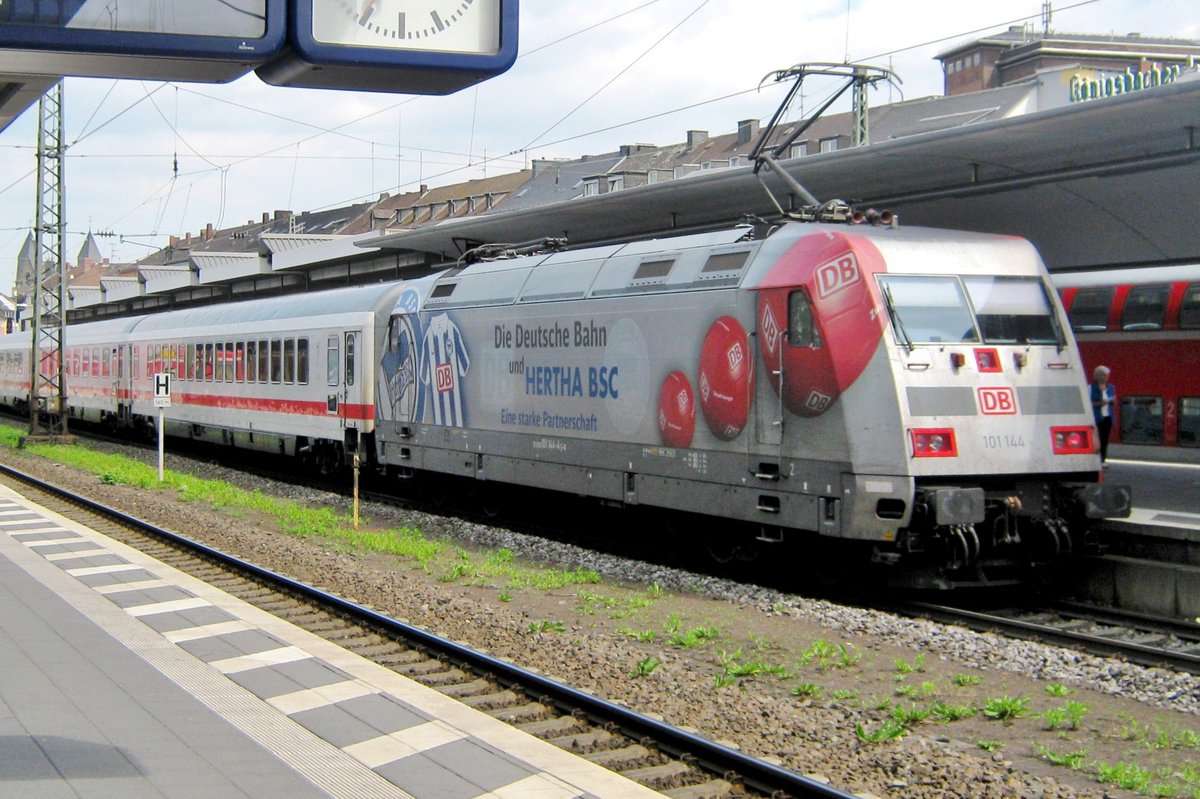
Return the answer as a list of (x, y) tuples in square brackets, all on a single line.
[(837, 275), (997, 401), (444, 377)]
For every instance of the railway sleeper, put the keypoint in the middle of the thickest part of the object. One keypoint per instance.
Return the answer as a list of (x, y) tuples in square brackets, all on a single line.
[(627, 757), (497, 699), (713, 789), (558, 728), (584, 741), (530, 712)]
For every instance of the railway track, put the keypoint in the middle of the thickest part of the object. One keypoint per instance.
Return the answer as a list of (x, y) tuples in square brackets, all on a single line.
[(1107, 632), (675, 762)]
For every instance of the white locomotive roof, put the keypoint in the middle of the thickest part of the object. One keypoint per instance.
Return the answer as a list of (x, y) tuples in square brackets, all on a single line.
[(289, 306)]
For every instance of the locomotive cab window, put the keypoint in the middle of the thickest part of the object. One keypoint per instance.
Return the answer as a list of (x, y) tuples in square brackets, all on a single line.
[(1089, 312), (1145, 307), (1189, 308), (801, 332), (928, 309), (1013, 310)]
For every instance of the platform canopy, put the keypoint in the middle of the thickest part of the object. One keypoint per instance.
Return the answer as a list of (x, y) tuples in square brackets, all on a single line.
[(1113, 182)]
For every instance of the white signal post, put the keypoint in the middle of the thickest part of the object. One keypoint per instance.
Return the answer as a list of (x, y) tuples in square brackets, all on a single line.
[(162, 400)]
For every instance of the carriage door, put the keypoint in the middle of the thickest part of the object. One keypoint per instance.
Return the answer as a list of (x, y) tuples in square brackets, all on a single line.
[(352, 392), (122, 376)]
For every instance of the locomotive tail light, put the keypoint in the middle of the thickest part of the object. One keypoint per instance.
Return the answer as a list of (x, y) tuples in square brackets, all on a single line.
[(934, 443), (957, 360), (1072, 440)]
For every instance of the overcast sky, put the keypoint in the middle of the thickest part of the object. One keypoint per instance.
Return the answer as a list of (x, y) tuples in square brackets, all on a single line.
[(591, 77)]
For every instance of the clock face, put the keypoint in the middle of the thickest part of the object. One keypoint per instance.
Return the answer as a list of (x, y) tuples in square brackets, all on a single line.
[(456, 26)]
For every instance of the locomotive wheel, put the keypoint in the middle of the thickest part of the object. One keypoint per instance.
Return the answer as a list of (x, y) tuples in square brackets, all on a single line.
[(491, 500), (729, 546)]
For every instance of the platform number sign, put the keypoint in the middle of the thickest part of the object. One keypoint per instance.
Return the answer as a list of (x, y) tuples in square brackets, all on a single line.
[(162, 389)]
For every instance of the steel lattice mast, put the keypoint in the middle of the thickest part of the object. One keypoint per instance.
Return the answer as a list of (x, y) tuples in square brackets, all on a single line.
[(47, 413)]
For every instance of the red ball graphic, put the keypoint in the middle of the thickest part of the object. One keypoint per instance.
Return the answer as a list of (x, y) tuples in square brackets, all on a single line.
[(726, 378), (676, 410)]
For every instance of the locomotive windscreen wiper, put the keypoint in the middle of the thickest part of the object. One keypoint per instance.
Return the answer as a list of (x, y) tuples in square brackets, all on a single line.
[(897, 320)]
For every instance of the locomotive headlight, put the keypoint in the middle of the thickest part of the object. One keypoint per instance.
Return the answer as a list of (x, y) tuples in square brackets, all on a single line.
[(934, 443)]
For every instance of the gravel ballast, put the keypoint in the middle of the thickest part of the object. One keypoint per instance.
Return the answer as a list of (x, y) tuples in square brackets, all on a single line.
[(762, 715)]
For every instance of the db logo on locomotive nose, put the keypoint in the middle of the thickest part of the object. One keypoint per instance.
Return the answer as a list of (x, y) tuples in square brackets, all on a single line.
[(997, 401), (837, 275)]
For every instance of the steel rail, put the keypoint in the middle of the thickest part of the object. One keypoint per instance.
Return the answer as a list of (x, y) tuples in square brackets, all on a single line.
[(723, 760), (1102, 646)]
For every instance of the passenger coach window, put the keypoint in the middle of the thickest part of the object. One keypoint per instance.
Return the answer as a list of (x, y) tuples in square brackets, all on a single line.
[(1145, 307), (928, 309), (221, 363), (302, 361), (251, 362), (331, 360), (1189, 422), (264, 359), (239, 362), (276, 360), (1189, 309), (1012, 310), (1141, 420), (208, 362), (1089, 312), (289, 360), (800, 321)]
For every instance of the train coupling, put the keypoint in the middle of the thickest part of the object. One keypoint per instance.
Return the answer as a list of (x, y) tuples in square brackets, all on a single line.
[(951, 505), (1105, 501)]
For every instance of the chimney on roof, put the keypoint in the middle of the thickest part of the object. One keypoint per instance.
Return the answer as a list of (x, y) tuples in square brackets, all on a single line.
[(208, 231), (695, 138), (266, 217), (282, 215), (383, 195), (747, 130), (174, 240), (424, 187)]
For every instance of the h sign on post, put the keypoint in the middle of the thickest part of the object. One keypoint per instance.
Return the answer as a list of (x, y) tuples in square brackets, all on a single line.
[(162, 389), (162, 399)]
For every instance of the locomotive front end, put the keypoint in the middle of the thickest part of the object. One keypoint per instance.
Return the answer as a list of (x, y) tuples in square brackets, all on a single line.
[(999, 435)]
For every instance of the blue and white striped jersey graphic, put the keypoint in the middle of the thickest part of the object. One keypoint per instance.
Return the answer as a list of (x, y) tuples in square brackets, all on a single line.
[(444, 362)]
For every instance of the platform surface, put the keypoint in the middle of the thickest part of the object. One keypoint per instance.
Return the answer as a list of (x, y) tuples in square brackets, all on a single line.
[(122, 677)]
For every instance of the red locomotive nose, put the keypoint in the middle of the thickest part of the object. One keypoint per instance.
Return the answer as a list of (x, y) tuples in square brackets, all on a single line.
[(834, 276)]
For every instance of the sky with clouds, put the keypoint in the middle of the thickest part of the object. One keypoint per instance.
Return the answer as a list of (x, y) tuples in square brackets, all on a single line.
[(590, 77)]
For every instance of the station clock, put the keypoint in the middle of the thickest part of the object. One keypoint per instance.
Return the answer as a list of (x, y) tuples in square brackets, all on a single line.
[(408, 46)]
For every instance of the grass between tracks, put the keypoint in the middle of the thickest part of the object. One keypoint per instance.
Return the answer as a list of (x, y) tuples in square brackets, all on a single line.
[(408, 543), (888, 698)]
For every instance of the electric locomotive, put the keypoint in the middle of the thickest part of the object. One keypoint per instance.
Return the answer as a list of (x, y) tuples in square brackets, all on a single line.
[(914, 395)]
